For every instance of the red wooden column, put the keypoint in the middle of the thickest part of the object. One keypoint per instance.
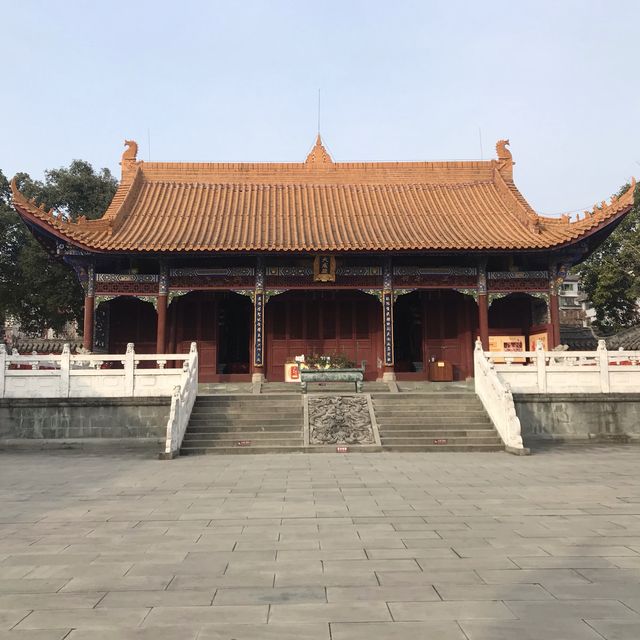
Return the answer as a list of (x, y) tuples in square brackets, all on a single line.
[(483, 320), (163, 292), (258, 324), (89, 308), (483, 306), (389, 373)]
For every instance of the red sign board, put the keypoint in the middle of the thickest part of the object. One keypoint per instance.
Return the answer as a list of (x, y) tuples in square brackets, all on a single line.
[(342, 449), (440, 441), (243, 443)]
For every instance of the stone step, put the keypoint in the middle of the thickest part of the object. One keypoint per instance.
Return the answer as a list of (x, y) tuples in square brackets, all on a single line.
[(267, 414), (233, 442), (241, 434), (435, 415), (425, 448), (253, 407), (412, 416), (241, 450), (441, 404), (249, 409), (400, 432), (440, 423), (399, 397), (417, 421), (436, 402), (491, 439), (261, 424), (283, 399), (222, 387)]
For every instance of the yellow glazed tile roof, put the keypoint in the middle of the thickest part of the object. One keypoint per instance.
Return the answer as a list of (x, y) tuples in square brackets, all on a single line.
[(319, 205)]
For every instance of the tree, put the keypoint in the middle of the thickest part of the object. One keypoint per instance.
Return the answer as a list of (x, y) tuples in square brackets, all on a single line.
[(37, 290), (611, 275)]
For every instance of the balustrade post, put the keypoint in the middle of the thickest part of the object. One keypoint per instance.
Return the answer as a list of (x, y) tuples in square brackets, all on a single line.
[(129, 370), (65, 366), (603, 365), (3, 369), (541, 367)]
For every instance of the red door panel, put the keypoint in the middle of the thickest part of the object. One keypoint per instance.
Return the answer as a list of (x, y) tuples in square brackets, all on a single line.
[(323, 322)]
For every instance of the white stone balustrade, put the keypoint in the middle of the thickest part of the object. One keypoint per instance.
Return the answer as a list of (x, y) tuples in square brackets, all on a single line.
[(497, 375), (540, 371), (88, 375), (496, 397), (182, 400)]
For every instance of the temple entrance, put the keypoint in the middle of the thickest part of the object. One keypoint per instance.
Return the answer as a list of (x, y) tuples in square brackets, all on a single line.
[(220, 323), (234, 334), (434, 325), (128, 319), (407, 336), (323, 322)]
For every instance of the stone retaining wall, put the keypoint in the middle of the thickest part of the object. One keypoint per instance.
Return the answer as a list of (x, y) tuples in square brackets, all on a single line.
[(129, 421), (579, 416)]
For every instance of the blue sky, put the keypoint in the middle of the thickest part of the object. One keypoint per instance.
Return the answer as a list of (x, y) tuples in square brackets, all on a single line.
[(401, 80)]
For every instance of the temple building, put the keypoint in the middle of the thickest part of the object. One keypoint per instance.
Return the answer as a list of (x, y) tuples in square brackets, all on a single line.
[(400, 265)]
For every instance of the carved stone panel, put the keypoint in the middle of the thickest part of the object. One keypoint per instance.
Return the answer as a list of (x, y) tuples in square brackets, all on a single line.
[(340, 420)]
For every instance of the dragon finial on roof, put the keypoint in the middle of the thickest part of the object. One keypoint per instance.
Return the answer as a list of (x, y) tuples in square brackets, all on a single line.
[(502, 151), (505, 159), (129, 158)]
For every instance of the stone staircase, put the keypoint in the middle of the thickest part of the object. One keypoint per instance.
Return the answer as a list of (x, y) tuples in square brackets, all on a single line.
[(434, 421), (244, 424), (237, 421)]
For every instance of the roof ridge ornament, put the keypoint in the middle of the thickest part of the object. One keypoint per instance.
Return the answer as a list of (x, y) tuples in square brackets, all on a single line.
[(505, 159), (129, 156), (617, 202), (318, 155)]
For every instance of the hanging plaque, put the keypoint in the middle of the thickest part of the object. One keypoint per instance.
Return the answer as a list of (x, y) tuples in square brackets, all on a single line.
[(324, 268)]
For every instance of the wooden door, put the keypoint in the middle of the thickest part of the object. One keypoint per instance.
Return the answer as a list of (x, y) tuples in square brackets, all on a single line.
[(196, 322), (132, 320), (323, 322), (447, 334)]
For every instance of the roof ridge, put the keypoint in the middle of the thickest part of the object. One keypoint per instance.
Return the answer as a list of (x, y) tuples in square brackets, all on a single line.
[(519, 206), (122, 212), (309, 166), (600, 211)]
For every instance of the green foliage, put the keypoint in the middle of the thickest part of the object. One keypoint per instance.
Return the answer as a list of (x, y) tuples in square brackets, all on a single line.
[(611, 275), (333, 361), (36, 289)]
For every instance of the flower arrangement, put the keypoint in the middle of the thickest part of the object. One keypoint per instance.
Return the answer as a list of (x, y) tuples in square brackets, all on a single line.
[(317, 361)]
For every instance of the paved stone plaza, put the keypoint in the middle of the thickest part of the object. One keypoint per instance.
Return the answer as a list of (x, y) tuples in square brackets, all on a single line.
[(318, 547)]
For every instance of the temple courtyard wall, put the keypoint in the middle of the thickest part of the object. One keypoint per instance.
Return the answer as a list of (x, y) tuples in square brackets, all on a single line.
[(120, 423), (579, 417)]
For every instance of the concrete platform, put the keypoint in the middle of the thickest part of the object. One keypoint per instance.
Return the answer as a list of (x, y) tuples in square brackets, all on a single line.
[(295, 546)]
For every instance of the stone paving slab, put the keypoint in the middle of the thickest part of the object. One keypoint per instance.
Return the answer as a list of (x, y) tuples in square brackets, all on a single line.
[(397, 631), (334, 547)]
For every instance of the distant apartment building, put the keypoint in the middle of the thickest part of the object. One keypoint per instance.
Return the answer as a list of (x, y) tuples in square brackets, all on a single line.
[(572, 303)]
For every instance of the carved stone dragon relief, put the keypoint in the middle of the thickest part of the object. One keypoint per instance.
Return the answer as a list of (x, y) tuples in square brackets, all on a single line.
[(340, 420)]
